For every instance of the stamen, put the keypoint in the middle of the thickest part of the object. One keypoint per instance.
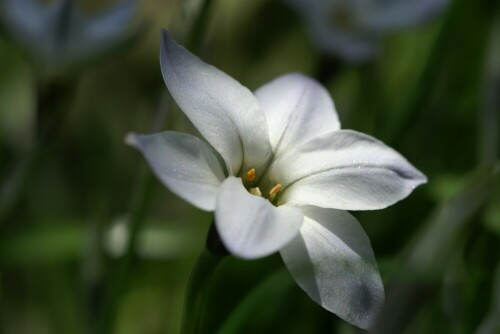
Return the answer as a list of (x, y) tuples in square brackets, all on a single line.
[(274, 191), (255, 191), (250, 175)]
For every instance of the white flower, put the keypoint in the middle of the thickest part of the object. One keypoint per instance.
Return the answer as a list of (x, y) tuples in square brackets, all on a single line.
[(279, 174), (60, 34), (351, 29)]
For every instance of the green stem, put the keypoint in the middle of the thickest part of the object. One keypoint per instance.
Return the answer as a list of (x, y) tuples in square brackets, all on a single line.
[(141, 197), (328, 67), (199, 281), (196, 33), (488, 115), (275, 285), (51, 111), (367, 110), (120, 279), (16, 184), (419, 97)]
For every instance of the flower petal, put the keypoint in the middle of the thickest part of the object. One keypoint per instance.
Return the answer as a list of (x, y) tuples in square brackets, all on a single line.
[(297, 109), (351, 46), (337, 27), (188, 166), (397, 14), (111, 25), (344, 170), (23, 15), (250, 226), (37, 26), (60, 33), (227, 114), (332, 260)]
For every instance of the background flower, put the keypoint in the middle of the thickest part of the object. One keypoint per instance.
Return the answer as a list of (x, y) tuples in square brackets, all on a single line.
[(59, 34), (352, 29)]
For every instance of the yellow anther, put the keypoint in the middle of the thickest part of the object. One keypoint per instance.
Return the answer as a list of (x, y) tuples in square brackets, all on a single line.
[(274, 191), (250, 175), (255, 191)]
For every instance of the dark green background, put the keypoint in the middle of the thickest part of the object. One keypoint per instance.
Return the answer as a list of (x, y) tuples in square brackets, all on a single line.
[(432, 94)]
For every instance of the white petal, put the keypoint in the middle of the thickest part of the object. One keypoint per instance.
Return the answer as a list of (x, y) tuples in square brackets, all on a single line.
[(344, 170), (103, 31), (350, 46), (26, 15), (31, 24), (227, 114), (250, 226), (113, 21), (188, 166), (397, 14), (336, 27), (297, 109), (65, 24), (60, 33), (332, 260)]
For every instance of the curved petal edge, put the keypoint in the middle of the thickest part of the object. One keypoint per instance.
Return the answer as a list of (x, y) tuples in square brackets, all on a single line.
[(345, 170), (333, 262), (226, 113), (186, 165)]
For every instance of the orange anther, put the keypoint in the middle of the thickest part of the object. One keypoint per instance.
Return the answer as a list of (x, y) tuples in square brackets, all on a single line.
[(250, 175)]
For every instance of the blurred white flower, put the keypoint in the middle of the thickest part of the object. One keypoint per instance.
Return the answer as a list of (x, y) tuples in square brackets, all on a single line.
[(279, 174), (351, 29), (60, 34)]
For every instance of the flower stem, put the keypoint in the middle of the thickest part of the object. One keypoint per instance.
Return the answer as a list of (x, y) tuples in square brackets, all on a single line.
[(120, 278), (214, 243), (201, 275), (419, 97), (52, 103), (198, 28), (142, 196), (328, 67), (488, 114), (199, 281)]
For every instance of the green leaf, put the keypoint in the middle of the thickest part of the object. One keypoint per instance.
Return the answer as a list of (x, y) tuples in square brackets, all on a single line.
[(271, 289)]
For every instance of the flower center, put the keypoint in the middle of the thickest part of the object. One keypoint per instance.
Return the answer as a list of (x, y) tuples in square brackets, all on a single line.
[(255, 189), (342, 18)]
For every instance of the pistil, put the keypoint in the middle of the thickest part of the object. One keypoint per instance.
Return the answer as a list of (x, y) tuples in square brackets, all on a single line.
[(255, 191)]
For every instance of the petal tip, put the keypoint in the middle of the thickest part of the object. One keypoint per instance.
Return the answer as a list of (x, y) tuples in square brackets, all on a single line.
[(170, 53), (131, 139), (420, 178), (166, 39), (164, 33)]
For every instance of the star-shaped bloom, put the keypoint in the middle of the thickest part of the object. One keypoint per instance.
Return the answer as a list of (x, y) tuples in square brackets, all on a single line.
[(280, 174), (351, 29), (60, 34)]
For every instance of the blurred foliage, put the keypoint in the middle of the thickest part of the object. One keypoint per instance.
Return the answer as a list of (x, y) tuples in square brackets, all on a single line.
[(432, 95)]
